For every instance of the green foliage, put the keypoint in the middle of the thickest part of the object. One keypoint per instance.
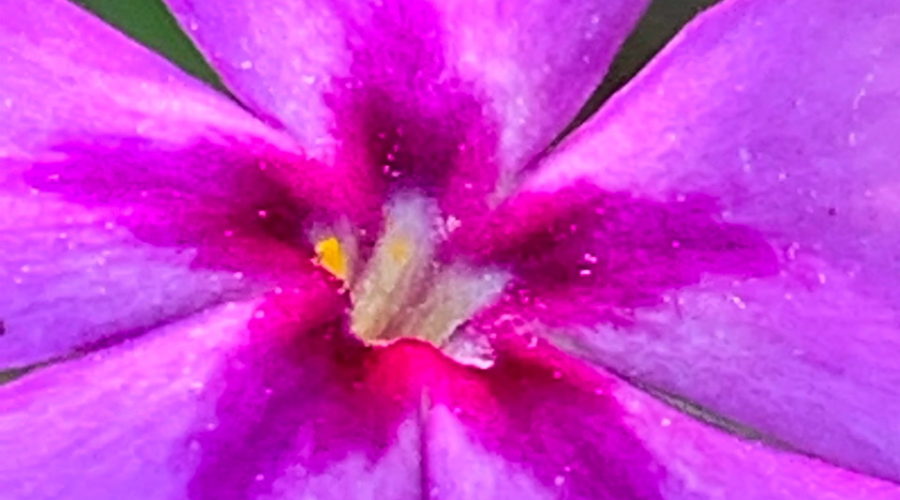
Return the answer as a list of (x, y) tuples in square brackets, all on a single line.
[(149, 22)]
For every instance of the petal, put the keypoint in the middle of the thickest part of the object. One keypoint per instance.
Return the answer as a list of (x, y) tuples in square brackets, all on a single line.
[(117, 421), (249, 400), (284, 60), (704, 462), (537, 426), (519, 430), (781, 116), (422, 87), (299, 413), (58, 82), (120, 181), (581, 255), (272, 400)]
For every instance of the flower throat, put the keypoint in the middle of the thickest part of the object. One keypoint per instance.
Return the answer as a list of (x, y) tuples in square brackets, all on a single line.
[(402, 290)]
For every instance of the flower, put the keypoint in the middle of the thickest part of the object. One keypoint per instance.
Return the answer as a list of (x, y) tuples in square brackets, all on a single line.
[(377, 279)]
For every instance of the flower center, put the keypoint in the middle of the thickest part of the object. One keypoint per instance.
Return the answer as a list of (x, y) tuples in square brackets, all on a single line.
[(402, 290)]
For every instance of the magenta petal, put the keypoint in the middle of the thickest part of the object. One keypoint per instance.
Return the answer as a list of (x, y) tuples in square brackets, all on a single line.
[(581, 255), (120, 179), (245, 401), (301, 412), (782, 115), (537, 426), (285, 405), (522, 429), (529, 65)]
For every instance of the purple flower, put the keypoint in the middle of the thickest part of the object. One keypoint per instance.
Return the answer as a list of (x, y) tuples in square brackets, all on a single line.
[(377, 279)]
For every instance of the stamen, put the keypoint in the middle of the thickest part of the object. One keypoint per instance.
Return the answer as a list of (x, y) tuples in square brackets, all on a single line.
[(332, 257), (336, 250)]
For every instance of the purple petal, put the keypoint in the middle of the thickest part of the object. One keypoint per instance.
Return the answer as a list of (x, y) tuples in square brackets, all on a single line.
[(703, 462), (538, 426), (116, 422), (535, 64), (521, 429), (781, 115), (272, 399), (60, 81), (121, 180), (414, 89), (302, 411), (611, 251), (239, 402)]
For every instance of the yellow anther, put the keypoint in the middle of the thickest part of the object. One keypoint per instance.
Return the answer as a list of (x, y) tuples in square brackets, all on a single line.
[(332, 257)]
